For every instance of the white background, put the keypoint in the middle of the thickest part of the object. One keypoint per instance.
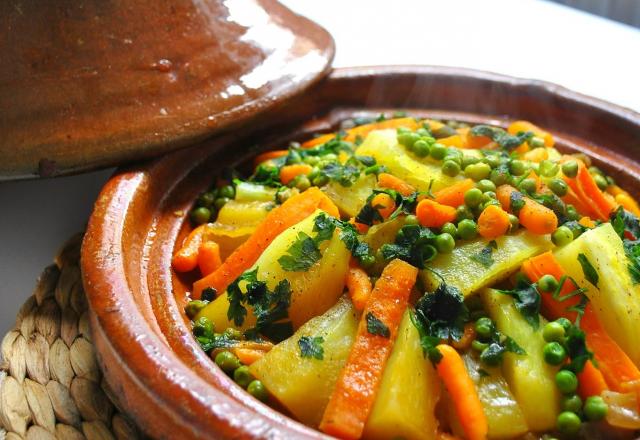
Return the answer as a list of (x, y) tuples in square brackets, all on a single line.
[(525, 38)]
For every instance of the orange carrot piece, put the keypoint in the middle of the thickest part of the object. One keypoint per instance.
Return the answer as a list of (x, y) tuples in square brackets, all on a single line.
[(571, 198), (493, 222), (477, 142), (248, 356), (453, 141), (290, 172), (518, 126), (628, 203), (356, 389), (209, 257), (586, 180), (186, 259), (455, 377), (294, 210), (467, 338), (384, 204), (360, 227), (386, 180), (358, 285), (454, 195), (322, 139), (614, 364), (591, 381), (537, 218), (363, 130), (268, 155), (587, 222), (432, 214)]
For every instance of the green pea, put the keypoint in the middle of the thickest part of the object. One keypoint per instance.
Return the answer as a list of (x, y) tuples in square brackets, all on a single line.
[(449, 228), (528, 186), (486, 185), (320, 180), (408, 139), (565, 323), (595, 408), (488, 196), (499, 177), (594, 170), (445, 243), (558, 186), (547, 283), (490, 202), (411, 220), (491, 357), (467, 229), (330, 157), (258, 390), (562, 236), (515, 223), (366, 261), (517, 167), (242, 376), (312, 160), (193, 307), (207, 199), (462, 213), (227, 191), (232, 333), (220, 202), (548, 168), (554, 353), (566, 381), (438, 151), (553, 332), (492, 160), (450, 168), (227, 361), (469, 160), (570, 169), (421, 148), (572, 214), (568, 423), (601, 181), (203, 326), (478, 171), (473, 197), (200, 215), (536, 142), (479, 346), (484, 328), (293, 157), (302, 183), (571, 402)]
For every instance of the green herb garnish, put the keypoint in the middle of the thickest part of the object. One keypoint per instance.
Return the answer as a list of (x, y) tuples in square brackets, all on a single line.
[(311, 347)]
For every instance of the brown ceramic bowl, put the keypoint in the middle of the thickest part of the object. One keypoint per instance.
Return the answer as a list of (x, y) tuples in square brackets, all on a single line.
[(162, 378)]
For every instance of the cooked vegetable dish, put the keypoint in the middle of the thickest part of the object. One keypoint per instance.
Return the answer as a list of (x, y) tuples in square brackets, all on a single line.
[(421, 279)]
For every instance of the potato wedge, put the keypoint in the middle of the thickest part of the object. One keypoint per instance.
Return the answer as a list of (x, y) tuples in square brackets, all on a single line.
[(350, 199)]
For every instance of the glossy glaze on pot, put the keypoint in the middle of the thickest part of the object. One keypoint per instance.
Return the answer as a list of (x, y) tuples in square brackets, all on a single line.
[(89, 83), (144, 342)]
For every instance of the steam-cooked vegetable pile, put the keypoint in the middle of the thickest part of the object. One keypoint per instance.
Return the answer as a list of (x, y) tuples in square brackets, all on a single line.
[(414, 279)]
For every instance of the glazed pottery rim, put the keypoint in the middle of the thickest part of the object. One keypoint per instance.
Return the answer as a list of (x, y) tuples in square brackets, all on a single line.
[(101, 262)]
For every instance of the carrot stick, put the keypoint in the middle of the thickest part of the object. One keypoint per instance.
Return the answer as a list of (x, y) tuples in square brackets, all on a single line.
[(268, 156), (454, 195), (476, 142), (290, 172), (587, 182), (455, 377), (591, 381), (294, 210), (248, 356), (454, 141), (209, 257), (390, 181), (384, 204), (432, 214), (537, 218), (186, 259), (359, 286), (614, 364), (493, 222), (356, 389), (571, 198)]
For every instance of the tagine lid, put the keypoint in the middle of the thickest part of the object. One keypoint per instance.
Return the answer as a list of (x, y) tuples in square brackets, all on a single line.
[(90, 84)]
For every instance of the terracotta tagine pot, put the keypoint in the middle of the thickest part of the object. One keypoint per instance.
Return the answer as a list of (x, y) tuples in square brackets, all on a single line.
[(90, 83), (143, 339)]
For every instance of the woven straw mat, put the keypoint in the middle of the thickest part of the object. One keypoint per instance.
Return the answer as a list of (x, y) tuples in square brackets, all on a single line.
[(50, 382)]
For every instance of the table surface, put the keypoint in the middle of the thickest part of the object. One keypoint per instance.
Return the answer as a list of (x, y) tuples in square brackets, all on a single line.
[(527, 38)]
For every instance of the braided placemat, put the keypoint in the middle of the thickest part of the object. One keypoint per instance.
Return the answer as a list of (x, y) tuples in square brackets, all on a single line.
[(50, 382)]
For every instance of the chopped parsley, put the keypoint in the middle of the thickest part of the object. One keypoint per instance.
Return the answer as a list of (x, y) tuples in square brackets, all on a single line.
[(577, 350), (311, 347), (413, 244), (485, 256), (370, 214), (501, 137), (588, 270), (526, 301), (377, 327), (304, 252), (443, 312), (627, 226), (577, 291)]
